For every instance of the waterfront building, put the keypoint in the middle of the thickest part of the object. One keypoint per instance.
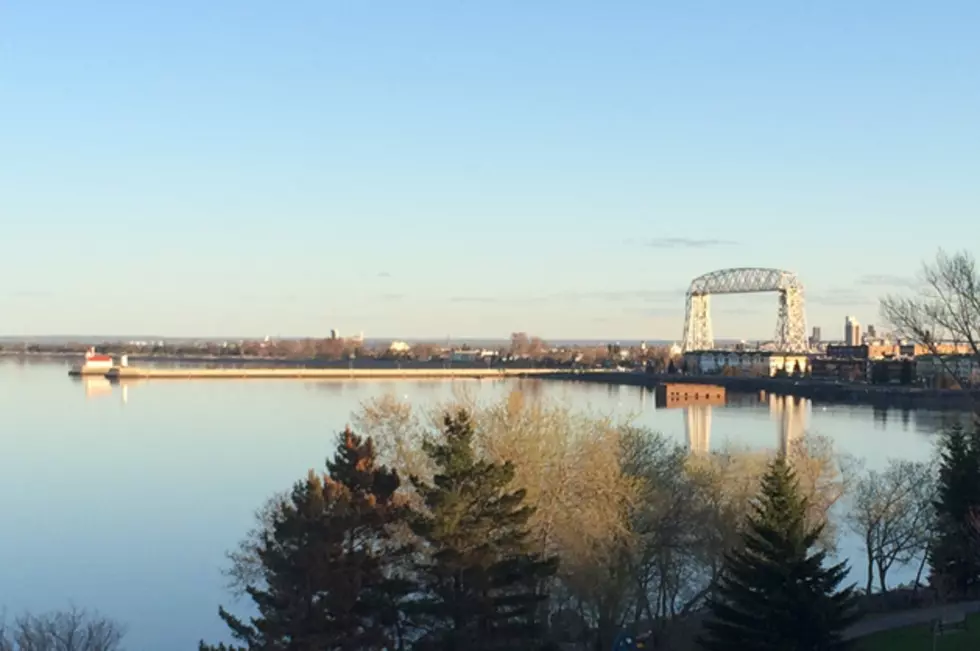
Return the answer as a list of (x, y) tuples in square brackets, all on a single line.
[(479, 355), (848, 369), (873, 350), (399, 347), (757, 363), (92, 364), (942, 371)]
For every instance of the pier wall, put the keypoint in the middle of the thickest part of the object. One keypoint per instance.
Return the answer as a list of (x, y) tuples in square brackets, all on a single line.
[(133, 372)]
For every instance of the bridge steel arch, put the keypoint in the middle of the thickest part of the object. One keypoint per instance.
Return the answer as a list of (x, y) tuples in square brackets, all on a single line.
[(791, 323)]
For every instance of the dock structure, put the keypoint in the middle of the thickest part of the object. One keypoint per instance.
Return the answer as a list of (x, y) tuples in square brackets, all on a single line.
[(176, 373)]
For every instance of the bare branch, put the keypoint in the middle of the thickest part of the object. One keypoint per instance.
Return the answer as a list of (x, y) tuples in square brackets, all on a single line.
[(945, 311), (71, 630)]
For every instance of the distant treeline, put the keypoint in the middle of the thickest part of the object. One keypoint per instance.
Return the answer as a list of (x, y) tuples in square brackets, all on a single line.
[(520, 347)]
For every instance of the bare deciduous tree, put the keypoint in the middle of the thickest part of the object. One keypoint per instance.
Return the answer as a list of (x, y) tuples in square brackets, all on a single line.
[(245, 566), (676, 521), (397, 431), (892, 513), (823, 475), (945, 309), (71, 630)]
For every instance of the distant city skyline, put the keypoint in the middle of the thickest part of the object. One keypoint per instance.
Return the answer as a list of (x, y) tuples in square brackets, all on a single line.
[(419, 170)]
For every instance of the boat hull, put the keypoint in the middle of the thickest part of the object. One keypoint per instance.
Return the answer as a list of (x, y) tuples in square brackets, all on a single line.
[(89, 369)]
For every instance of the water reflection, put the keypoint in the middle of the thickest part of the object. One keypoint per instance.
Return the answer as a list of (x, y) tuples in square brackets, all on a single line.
[(788, 412), (697, 426), (96, 386), (791, 412)]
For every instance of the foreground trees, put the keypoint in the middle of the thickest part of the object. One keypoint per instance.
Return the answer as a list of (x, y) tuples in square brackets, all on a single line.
[(479, 586), (955, 551), (343, 563), (774, 593), (326, 579), (499, 492)]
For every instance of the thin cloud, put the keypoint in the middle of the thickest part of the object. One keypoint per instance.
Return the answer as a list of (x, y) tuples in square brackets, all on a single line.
[(28, 293), (474, 299), (647, 295), (654, 311), (611, 296), (840, 298), (384, 274), (743, 310), (392, 297), (886, 280), (687, 242)]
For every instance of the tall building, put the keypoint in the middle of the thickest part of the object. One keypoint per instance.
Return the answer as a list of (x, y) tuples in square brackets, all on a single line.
[(816, 338), (872, 333), (852, 331)]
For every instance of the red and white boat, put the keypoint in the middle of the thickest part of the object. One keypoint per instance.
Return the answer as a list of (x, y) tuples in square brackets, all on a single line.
[(94, 364)]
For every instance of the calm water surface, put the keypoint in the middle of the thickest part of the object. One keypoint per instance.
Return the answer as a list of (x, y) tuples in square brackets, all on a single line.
[(125, 499)]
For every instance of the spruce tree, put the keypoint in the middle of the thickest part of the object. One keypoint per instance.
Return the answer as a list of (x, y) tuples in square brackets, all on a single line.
[(774, 594), (327, 584), (954, 555), (480, 587)]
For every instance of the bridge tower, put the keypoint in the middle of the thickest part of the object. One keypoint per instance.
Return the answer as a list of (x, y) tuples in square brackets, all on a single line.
[(790, 333)]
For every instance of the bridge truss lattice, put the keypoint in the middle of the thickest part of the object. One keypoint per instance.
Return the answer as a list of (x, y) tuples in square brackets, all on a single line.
[(791, 322)]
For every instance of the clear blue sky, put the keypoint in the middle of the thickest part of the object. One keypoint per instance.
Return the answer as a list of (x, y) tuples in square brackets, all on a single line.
[(235, 167)]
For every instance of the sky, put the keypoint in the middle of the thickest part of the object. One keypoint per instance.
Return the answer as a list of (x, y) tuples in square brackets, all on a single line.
[(415, 169)]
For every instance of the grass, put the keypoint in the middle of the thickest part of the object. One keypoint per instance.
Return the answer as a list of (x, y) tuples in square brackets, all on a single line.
[(919, 638)]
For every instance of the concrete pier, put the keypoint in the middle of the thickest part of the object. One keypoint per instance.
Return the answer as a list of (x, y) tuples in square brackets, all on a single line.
[(132, 372)]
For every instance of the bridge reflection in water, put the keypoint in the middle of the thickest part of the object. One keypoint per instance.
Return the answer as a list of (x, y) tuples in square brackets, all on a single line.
[(790, 413)]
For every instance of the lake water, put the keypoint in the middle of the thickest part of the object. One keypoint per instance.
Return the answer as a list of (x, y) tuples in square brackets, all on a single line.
[(125, 499)]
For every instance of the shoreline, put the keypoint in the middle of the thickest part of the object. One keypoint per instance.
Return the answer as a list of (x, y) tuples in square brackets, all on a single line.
[(119, 373), (817, 391)]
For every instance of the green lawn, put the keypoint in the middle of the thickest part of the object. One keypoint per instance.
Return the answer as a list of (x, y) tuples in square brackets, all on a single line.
[(919, 638)]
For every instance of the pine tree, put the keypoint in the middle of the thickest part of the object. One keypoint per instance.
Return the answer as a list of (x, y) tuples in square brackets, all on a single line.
[(327, 580), (953, 555), (774, 594), (480, 587)]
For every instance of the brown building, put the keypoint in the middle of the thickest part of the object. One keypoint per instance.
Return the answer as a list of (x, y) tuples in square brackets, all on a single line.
[(849, 369), (868, 351), (892, 371), (886, 351), (682, 395), (949, 371), (942, 348)]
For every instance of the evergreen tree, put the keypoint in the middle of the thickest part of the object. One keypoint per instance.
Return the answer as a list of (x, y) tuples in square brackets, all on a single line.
[(954, 556), (327, 584), (774, 594), (479, 585)]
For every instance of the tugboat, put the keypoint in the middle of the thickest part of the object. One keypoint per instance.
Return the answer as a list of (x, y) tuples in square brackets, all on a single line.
[(94, 364)]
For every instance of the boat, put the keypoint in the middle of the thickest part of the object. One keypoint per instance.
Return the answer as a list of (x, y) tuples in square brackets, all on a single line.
[(94, 364)]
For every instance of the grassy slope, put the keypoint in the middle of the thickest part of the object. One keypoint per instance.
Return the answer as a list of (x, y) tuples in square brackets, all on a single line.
[(919, 638)]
